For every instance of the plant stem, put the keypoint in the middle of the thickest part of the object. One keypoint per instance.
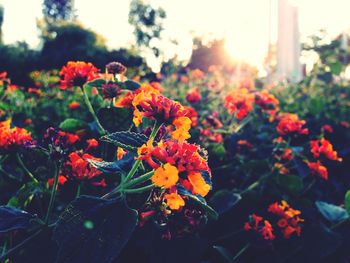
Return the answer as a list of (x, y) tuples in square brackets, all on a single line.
[(53, 192), (26, 169), (138, 190), (138, 162), (240, 252), (92, 112), (78, 190), (20, 245), (139, 180)]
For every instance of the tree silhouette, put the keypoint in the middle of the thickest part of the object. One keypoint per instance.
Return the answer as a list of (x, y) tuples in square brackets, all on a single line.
[(55, 10)]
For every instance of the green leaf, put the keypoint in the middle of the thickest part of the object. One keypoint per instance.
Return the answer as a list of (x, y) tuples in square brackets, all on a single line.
[(25, 195), (130, 85), (115, 119), (223, 200), (72, 125), (126, 140), (332, 213), (347, 201), (225, 253), (210, 211), (291, 183), (93, 229), (113, 167), (96, 83), (336, 67)]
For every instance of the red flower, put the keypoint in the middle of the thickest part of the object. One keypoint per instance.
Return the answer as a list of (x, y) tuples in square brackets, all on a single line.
[(261, 226), (92, 144), (318, 169), (267, 102), (77, 74), (79, 167), (11, 137), (239, 102), (324, 147), (74, 105), (290, 123), (327, 128), (289, 221), (61, 181), (193, 95)]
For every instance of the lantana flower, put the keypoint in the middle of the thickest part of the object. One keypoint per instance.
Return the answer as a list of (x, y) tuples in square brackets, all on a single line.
[(289, 123), (11, 137), (77, 74)]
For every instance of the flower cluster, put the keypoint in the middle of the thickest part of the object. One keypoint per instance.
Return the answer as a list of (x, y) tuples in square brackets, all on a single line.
[(77, 167), (211, 122), (11, 137), (177, 165), (147, 102), (261, 226), (77, 74), (289, 218), (193, 95), (288, 221), (324, 148), (239, 102), (268, 103), (289, 123)]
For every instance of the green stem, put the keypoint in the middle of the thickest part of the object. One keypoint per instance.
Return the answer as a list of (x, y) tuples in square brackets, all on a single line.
[(92, 112), (26, 169), (138, 162), (78, 191), (255, 184), (141, 179), (240, 252), (139, 190), (53, 192)]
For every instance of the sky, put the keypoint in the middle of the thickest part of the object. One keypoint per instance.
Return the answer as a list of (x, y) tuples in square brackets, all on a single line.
[(244, 23)]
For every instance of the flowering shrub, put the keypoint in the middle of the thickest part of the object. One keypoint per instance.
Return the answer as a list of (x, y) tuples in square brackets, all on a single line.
[(206, 162)]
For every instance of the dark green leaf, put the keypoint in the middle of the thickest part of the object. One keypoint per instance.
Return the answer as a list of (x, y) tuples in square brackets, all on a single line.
[(25, 194), (126, 140), (13, 219), (72, 125), (336, 67), (115, 119), (121, 165), (130, 85), (223, 200), (291, 183), (93, 230), (225, 253), (347, 201), (332, 212), (96, 83)]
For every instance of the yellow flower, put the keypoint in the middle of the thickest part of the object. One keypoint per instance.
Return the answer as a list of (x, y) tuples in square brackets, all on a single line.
[(183, 125), (166, 176), (174, 201), (198, 183)]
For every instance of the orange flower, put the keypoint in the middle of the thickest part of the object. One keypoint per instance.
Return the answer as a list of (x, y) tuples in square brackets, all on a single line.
[(261, 226), (74, 105), (77, 74), (318, 169), (268, 103), (182, 126), (166, 176), (120, 153), (324, 147), (10, 137), (92, 144), (289, 222), (290, 123), (239, 102), (199, 186), (174, 201)]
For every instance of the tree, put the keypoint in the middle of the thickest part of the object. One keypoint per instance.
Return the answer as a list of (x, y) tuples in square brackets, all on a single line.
[(56, 10), (148, 24)]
